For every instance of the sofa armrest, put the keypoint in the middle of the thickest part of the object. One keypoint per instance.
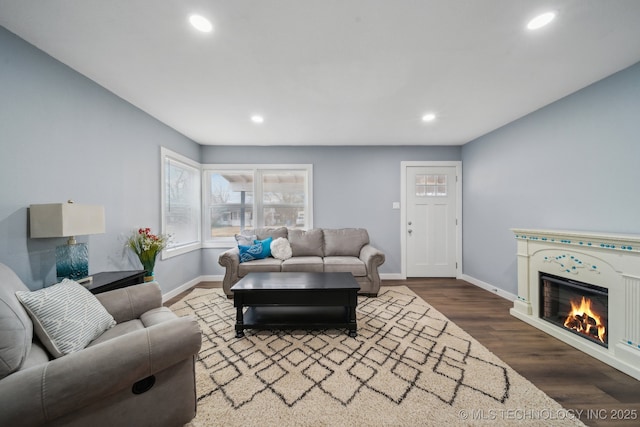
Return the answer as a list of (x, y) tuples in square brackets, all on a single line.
[(372, 258), (129, 303), (230, 260), (45, 392)]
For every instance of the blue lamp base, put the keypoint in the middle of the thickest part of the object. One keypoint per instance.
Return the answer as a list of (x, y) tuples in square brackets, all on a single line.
[(72, 261)]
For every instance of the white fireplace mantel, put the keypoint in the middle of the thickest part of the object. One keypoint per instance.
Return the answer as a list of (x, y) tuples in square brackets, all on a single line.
[(611, 261)]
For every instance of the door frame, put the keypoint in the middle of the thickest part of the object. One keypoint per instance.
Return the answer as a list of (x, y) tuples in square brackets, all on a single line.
[(404, 165)]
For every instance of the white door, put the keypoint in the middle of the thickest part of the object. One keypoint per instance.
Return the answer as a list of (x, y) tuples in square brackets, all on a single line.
[(431, 221)]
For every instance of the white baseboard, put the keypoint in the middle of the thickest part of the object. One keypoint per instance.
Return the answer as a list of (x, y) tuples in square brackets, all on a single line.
[(391, 276), (212, 278), (180, 289), (486, 286)]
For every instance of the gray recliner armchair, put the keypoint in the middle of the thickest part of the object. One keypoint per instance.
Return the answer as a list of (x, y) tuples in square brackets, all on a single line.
[(141, 372)]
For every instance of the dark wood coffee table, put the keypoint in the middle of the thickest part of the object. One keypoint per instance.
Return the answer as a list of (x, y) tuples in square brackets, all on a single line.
[(296, 301)]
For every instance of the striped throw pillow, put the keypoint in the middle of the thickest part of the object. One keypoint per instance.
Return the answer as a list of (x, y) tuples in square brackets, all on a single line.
[(66, 316)]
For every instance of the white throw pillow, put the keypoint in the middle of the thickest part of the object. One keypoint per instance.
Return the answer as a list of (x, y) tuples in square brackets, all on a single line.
[(281, 248), (66, 316)]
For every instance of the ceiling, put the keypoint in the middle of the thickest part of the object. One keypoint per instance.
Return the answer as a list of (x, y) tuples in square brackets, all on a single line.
[(334, 72)]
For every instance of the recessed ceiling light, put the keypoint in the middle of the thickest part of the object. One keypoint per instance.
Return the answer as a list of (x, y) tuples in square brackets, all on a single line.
[(257, 119), (428, 117), (541, 20), (201, 23)]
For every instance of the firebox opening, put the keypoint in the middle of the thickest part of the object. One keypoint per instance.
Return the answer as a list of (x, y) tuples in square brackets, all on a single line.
[(578, 307)]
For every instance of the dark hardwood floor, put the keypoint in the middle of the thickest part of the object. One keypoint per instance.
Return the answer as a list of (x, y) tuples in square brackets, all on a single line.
[(592, 389)]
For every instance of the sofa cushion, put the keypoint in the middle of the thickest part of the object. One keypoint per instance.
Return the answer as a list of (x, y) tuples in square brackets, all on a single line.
[(37, 356), (274, 233), (345, 264), (118, 330), (259, 265), (306, 243), (307, 264), (66, 316), (16, 329), (344, 241)]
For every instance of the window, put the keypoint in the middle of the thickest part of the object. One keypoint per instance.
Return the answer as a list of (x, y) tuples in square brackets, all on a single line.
[(181, 203), (252, 196), (431, 185)]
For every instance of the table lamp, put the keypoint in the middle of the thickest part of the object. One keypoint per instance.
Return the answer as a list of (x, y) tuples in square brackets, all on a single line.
[(68, 220)]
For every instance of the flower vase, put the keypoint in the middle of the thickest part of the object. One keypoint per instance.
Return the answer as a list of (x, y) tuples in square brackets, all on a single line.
[(147, 246), (148, 261)]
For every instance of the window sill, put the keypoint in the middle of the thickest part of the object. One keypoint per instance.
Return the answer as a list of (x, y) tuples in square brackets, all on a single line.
[(220, 244), (180, 250)]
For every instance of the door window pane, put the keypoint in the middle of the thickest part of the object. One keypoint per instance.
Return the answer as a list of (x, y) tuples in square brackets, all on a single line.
[(431, 185)]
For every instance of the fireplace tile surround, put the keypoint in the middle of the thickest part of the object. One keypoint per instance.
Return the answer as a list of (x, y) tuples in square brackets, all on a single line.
[(611, 261)]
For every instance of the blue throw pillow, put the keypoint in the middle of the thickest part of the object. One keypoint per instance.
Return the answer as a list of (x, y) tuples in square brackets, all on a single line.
[(249, 253), (266, 246)]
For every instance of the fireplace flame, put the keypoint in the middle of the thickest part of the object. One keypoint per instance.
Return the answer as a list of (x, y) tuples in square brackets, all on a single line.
[(583, 319)]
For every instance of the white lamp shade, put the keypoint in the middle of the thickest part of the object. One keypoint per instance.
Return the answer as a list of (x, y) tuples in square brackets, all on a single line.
[(65, 220)]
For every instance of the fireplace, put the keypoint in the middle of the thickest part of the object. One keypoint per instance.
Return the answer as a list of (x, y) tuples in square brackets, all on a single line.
[(584, 289), (578, 307)]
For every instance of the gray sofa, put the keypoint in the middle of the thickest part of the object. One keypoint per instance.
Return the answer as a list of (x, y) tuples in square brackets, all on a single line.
[(317, 250), (97, 386)]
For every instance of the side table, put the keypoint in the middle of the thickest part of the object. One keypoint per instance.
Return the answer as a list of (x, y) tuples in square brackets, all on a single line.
[(110, 280)]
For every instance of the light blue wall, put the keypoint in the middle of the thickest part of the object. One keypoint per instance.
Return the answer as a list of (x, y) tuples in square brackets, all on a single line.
[(573, 165), (352, 187), (64, 137)]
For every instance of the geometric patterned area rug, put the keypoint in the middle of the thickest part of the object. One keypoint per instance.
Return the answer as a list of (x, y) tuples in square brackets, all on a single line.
[(408, 366)]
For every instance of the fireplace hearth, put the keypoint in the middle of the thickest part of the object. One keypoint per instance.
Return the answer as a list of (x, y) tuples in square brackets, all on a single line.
[(583, 289)]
